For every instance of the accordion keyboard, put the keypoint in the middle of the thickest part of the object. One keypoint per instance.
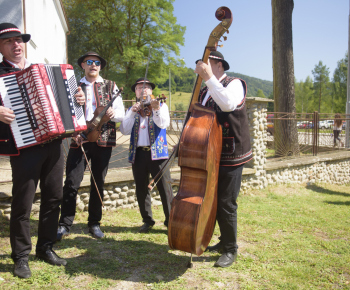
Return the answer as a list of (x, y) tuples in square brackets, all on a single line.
[(22, 126)]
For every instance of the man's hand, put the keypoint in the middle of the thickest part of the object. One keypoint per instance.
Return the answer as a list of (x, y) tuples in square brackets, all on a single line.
[(136, 107), (80, 96), (110, 113), (6, 115), (78, 139), (155, 105), (204, 70)]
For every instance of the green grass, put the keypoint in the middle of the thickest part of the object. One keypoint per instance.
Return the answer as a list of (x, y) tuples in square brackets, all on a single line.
[(289, 237), (178, 98)]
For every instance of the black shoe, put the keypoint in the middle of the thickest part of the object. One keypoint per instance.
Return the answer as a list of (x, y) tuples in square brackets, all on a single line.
[(21, 269), (218, 248), (49, 256), (61, 232), (145, 228), (226, 260), (96, 231)]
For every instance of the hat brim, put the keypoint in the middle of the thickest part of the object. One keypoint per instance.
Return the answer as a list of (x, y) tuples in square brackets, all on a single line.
[(224, 63), (25, 37), (141, 82), (81, 59)]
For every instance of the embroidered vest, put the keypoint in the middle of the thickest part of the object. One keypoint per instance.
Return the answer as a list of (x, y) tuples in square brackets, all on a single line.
[(236, 147), (157, 137), (103, 94)]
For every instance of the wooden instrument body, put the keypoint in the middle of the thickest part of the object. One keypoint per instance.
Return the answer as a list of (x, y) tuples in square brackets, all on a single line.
[(193, 210), (95, 125)]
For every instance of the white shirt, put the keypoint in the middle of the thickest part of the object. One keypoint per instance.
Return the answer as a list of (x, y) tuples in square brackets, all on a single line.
[(26, 63), (161, 118), (90, 106), (226, 98)]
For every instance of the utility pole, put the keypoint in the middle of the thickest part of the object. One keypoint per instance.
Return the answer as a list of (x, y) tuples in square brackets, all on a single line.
[(348, 90), (170, 90)]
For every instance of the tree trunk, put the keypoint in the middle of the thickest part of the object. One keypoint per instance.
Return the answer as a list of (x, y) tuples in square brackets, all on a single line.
[(286, 132)]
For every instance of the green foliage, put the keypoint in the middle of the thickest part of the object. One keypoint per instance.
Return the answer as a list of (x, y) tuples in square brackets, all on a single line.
[(254, 84), (122, 31), (339, 92), (182, 79), (260, 94), (180, 107), (321, 86), (304, 96)]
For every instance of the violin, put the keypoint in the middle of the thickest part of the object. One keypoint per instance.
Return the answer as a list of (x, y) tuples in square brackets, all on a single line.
[(93, 131), (146, 108)]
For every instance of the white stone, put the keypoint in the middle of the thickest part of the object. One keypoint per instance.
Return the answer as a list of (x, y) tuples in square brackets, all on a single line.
[(114, 196), (80, 206), (131, 192), (84, 195)]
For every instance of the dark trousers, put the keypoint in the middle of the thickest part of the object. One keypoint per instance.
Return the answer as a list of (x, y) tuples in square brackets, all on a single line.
[(75, 168), (229, 184), (141, 169), (44, 163)]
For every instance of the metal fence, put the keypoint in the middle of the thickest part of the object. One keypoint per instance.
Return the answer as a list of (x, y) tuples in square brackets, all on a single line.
[(296, 134), (119, 158)]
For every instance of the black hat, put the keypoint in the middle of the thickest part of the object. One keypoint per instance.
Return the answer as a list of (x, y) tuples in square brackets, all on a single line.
[(8, 30), (218, 55), (92, 53), (141, 81)]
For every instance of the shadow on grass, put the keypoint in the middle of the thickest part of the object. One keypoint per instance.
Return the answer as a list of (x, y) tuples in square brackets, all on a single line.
[(132, 260), (320, 189)]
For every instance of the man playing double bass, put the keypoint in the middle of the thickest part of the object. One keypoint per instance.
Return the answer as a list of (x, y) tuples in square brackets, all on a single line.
[(226, 95)]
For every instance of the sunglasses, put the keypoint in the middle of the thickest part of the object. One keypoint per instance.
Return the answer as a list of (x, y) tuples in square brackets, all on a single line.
[(90, 62)]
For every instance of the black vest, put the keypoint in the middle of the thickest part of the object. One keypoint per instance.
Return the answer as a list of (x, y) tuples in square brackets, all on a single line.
[(236, 147)]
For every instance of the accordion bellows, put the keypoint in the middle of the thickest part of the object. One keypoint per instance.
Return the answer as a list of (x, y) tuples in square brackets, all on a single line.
[(42, 98)]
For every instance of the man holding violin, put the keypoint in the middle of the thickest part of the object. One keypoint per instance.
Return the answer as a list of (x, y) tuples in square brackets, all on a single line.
[(148, 149), (226, 95), (98, 93)]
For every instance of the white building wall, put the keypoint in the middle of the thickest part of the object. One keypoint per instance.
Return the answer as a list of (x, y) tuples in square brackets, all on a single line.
[(44, 21), (48, 36)]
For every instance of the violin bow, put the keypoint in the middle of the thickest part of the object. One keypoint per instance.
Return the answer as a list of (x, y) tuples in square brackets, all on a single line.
[(143, 86), (93, 178)]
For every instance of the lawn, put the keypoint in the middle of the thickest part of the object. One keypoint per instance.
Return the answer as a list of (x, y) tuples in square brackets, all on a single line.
[(289, 237)]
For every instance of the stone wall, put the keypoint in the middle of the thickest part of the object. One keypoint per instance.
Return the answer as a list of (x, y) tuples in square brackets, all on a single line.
[(258, 173)]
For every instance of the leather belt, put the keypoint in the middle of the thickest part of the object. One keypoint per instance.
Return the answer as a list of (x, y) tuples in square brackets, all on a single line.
[(144, 148)]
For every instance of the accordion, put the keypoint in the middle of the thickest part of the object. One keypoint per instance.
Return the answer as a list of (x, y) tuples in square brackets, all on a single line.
[(42, 98)]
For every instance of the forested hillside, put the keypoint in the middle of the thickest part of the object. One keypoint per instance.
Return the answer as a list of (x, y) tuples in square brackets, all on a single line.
[(254, 84), (183, 80)]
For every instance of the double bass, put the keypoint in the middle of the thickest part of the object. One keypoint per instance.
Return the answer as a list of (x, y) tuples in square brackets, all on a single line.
[(193, 209)]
